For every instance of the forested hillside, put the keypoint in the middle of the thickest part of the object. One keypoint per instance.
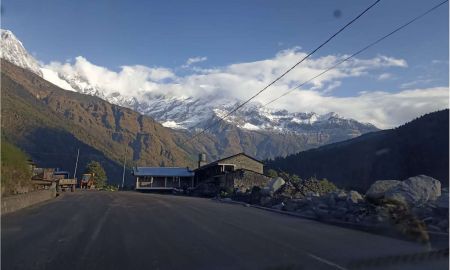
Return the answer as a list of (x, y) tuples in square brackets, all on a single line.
[(50, 124), (418, 147)]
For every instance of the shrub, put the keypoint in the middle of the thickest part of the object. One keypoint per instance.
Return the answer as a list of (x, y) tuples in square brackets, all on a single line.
[(316, 186), (272, 173), (294, 179), (15, 171), (327, 186), (226, 192)]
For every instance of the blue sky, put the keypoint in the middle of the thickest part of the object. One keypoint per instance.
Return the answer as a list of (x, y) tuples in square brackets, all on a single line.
[(113, 34)]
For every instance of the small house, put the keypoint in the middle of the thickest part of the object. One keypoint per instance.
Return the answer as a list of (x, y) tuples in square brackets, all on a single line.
[(163, 178), (239, 171)]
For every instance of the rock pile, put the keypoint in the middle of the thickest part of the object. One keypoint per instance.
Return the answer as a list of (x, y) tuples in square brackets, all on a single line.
[(274, 185), (412, 206)]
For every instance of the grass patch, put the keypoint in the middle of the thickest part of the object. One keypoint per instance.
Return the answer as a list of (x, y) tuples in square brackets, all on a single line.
[(15, 171)]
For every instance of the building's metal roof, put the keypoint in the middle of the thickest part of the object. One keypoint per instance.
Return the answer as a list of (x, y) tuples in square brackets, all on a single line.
[(61, 172), (163, 171)]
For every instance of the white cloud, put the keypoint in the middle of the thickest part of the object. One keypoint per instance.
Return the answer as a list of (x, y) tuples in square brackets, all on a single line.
[(415, 82), (437, 61), (194, 60), (130, 81), (241, 80), (381, 108), (384, 76)]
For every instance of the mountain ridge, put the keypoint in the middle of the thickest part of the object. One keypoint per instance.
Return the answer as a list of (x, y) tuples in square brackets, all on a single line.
[(417, 147), (187, 112), (48, 123)]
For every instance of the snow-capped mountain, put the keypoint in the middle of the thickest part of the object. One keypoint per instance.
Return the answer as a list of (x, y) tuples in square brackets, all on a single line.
[(13, 51), (256, 117), (187, 112)]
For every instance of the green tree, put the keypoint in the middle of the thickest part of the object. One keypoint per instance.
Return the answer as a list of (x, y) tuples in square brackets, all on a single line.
[(272, 173), (15, 171), (99, 173)]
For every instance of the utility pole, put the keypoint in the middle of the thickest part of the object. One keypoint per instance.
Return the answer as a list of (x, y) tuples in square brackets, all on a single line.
[(124, 161), (76, 164)]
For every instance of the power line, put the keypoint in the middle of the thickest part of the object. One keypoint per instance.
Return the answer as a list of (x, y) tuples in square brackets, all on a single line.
[(287, 71), (353, 55), (359, 51)]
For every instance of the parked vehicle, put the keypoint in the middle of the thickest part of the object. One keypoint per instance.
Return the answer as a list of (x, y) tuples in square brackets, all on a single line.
[(87, 181), (64, 183), (67, 184)]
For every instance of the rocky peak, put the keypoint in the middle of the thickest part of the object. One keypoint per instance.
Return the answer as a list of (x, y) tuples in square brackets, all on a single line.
[(13, 51)]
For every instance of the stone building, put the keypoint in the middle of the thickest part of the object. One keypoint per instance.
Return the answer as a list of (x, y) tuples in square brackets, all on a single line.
[(238, 172)]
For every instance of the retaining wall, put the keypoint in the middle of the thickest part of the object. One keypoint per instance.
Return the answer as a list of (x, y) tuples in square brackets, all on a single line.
[(17, 202)]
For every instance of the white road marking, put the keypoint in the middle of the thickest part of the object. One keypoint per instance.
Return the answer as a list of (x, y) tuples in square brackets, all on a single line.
[(326, 261)]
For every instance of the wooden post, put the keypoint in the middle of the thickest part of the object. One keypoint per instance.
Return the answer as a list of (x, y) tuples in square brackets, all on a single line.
[(165, 181)]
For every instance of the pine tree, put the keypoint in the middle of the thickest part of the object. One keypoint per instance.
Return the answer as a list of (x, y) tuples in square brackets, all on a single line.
[(99, 173)]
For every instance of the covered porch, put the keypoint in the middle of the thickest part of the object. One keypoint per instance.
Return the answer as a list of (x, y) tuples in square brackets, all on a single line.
[(163, 178)]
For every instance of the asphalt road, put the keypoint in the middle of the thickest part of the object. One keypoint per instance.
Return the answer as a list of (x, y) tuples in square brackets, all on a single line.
[(128, 230)]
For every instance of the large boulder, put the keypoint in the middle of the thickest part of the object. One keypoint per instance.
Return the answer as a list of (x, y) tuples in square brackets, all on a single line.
[(378, 189), (340, 194), (273, 185), (415, 190), (354, 197), (288, 190)]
